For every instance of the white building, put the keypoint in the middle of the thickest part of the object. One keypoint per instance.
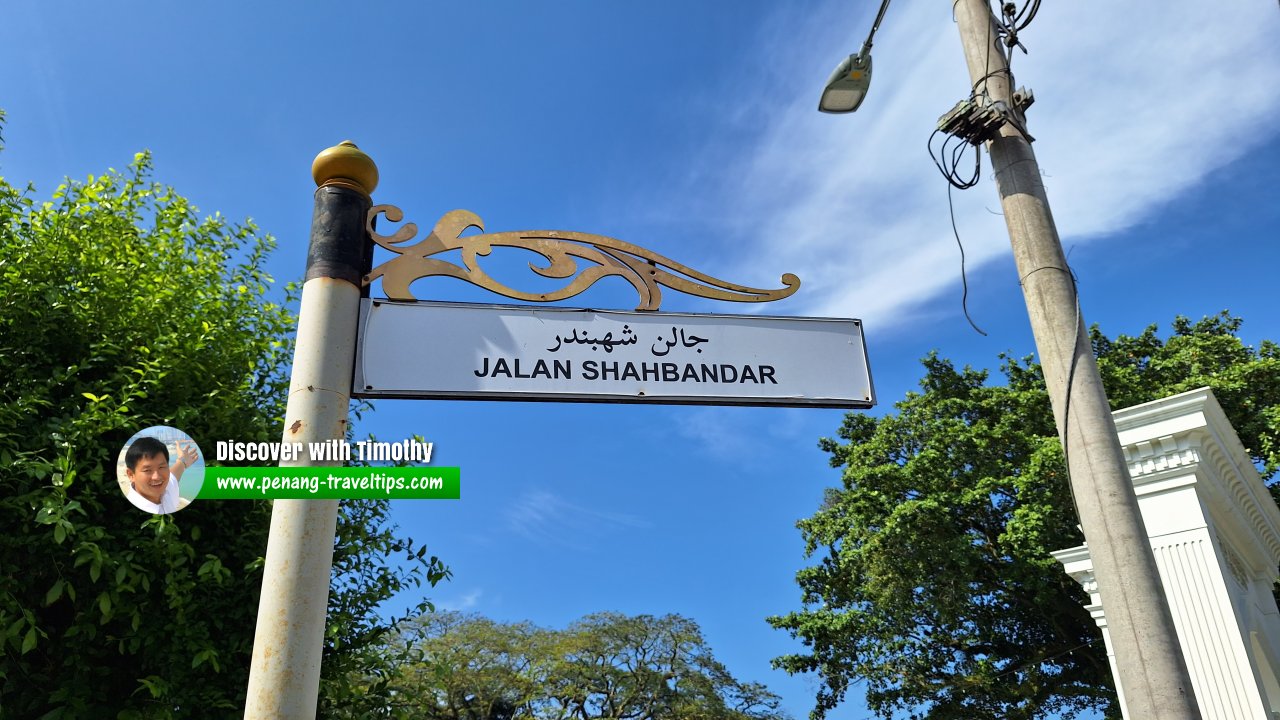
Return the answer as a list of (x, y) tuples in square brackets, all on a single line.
[(1215, 532)]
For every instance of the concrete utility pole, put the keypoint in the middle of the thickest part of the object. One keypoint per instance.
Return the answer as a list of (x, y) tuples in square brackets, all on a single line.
[(284, 677), (1154, 681)]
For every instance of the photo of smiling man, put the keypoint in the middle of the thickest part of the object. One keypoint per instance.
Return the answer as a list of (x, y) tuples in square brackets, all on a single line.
[(151, 476)]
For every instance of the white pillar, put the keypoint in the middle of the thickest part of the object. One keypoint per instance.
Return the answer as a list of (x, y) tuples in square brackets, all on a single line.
[(1215, 532)]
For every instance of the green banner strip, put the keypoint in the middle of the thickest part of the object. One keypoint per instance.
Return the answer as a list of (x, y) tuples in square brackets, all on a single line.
[(324, 483)]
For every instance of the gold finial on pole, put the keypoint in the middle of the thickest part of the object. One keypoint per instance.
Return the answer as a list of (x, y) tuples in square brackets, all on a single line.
[(347, 165)]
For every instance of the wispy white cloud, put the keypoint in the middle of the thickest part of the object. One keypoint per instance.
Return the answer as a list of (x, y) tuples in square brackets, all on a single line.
[(546, 518), (467, 601), (1135, 104), (733, 434), (714, 430)]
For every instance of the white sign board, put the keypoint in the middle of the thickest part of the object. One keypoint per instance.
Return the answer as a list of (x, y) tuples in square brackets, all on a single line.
[(488, 352)]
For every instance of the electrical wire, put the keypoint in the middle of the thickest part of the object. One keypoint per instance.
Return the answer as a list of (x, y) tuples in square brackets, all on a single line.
[(1029, 10), (1071, 377), (948, 158), (964, 282)]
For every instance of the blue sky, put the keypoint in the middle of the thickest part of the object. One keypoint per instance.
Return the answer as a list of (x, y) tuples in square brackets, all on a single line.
[(690, 129)]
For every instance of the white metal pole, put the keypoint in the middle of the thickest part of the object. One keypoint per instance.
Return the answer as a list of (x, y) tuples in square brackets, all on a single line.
[(284, 677)]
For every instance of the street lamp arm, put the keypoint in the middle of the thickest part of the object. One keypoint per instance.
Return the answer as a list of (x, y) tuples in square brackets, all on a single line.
[(866, 46)]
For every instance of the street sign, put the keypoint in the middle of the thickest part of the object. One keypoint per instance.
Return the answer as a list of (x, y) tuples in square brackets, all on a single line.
[(502, 352)]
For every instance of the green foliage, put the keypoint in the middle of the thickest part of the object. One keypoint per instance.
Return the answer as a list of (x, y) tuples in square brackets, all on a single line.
[(456, 667), (122, 309), (371, 563), (1207, 353), (934, 583)]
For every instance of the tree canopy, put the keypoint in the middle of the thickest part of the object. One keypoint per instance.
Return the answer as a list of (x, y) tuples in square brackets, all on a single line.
[(933, 582), (606, 665), (122, 309)]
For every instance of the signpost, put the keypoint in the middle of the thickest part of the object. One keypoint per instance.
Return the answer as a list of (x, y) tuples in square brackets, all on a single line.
[(494, 352), (404, 348)]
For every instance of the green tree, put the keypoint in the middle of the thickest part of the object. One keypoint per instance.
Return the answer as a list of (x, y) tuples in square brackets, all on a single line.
[(371, 564), (122, 309), (933, 582), (606, 665), (466, 667)]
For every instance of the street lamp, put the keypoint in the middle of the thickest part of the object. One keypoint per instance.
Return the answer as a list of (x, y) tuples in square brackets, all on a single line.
[(848, 84)]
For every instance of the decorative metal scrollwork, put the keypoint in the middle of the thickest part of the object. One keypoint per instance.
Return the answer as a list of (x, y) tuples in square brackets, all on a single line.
[(647, 271)]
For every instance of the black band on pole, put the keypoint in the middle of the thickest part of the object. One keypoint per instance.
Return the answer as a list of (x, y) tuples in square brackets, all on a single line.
[(339, 241)]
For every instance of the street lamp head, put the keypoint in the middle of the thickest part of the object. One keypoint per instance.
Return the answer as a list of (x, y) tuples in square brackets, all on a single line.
[(848, 85)]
